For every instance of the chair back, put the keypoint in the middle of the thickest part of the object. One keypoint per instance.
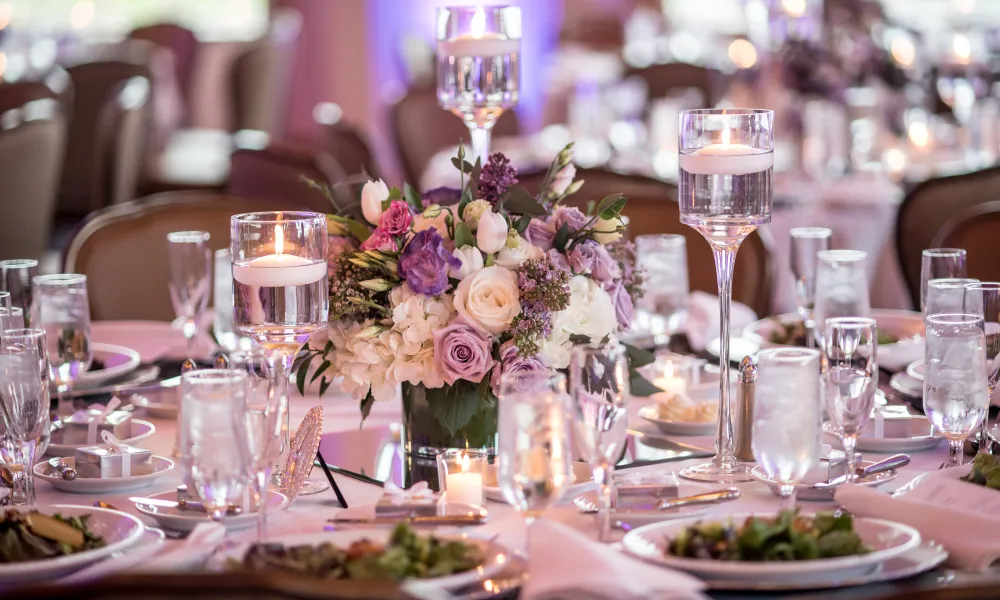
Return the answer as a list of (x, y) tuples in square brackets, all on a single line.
[(421, 128), (977, 230), (261, 76), (183, 47), (32, 139), (349, 147), (662, 80), (55, 85), (123, 249), (927, 208), (652, 208)]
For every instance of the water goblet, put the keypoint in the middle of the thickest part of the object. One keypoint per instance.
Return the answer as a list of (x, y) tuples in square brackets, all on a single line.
[(726, 158), (222, 318), (190, 279), (599, 386), (478, 67), (939, 263), (787, 416), (850, 374), (11, 318), (946, 295), (841, 287), (664, 306), (16, 278), (60, 307), (806, 243), (984, 299), (24, 406)]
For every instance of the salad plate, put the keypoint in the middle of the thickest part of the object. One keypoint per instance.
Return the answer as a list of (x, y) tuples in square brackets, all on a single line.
[(46, 471), (110, 362), (916, 370), (140, 431), (175, 519)]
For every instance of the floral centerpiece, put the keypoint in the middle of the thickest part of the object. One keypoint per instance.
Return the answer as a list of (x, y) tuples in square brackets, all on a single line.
[(442, 293)]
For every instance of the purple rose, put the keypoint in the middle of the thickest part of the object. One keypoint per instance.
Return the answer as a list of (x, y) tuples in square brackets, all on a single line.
[(558, 259), (397, 219), (571, 217), (512, 362), (425, 263), (581, 257), (605, 268), (623, 306), (540, 233), (462, 352), (380, 239), (442, 196)]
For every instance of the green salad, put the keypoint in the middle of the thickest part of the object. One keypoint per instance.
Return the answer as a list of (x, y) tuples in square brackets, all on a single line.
[(985, 471), (794, 334), (405, 555), (785, 537), (26, 536)]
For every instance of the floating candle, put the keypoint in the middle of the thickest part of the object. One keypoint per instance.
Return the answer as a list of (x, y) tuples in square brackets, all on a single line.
[(726, 159), (278, 269)]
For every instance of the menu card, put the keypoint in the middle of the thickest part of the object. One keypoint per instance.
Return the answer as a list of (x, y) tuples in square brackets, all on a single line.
[(957, 494)]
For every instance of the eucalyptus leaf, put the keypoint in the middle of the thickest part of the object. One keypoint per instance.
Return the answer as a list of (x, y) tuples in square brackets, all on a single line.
[(608, 202), (412, 198), (366, 405), (464, 201), (638, 357), (300, 376), (463, 235), (323, 366), (613, 211), (462, 165), (639, 386), (324, 385), (561, 238), (522, 224)]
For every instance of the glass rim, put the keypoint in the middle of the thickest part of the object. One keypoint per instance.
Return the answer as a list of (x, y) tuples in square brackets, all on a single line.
[(842, 255), (270, 217), (472, 8), (188, 237), (547, 375), (851, 322), (951, 282), (19, 263), (13, 310), (789, 354), (59, 279), (955, 318), (943, 252), (725, 112), (212, 375), (20, 335), (470, 452), (810, 232), (983, 285)]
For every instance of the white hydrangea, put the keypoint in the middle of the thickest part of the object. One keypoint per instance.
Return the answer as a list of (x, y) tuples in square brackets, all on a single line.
[(590, 312), (415, 318), (363, 361)]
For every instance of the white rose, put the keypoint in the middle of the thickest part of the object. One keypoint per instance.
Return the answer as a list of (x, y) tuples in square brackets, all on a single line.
[(556, 351), (472, 261), (562, 180), (473, 211), (489, 299), (492, 234), (591, 312), (372, 196), (606, 230), (513, 258)]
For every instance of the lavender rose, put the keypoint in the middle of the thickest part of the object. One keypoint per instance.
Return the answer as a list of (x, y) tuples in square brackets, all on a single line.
[(425, 263), (540, 233), (380, 239), (558, 259), (605, 268), (512, 362), (572, 217), (397, 219), (442, 196), (581, 257), (624, 308), (462, 352)]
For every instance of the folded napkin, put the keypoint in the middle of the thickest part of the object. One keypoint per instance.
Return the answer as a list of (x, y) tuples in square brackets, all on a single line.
[(565, 563), (703, 319), (966, 534)]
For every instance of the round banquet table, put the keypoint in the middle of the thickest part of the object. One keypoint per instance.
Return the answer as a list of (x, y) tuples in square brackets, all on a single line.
[(350, 444)]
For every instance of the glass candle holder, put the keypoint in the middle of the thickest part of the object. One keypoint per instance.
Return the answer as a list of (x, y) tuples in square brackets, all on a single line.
[(462, 474), (674, 373)]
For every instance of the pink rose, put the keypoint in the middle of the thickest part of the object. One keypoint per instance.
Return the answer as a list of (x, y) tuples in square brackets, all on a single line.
[(397, 219), (380, 239)]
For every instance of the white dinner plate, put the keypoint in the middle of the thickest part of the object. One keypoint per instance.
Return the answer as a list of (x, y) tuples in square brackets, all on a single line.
[(116, 360), (140, 431), (178, 520), (119, 530), (46, 471), (651, 413), (495, 556), (916, 370), (581, 473), (906, 385), (892, 445), (886, 538), (806, 491), (586, 503)]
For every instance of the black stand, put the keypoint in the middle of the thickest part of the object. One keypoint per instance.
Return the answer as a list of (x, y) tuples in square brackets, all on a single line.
[(329, 477)]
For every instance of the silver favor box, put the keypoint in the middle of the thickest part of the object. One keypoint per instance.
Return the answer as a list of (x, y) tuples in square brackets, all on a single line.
[(388, 505), (639, 493), (103, 462), (75, 427)]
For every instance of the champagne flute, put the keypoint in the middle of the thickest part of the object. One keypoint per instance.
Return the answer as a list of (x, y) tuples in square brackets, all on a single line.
[(190, 279), (806, 242), (60, 307), (984, 299), (599, 385), (787, 416), (478, 67), (725, 165), (15, 278), (946, 295), (841, 286), (956, 388), (850, 365), (939, 263), (24, 406)]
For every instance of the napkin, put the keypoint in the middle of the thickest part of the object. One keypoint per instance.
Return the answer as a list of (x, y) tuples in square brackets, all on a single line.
[(189, 553), (567, 564), (961, 532), (703, 319)]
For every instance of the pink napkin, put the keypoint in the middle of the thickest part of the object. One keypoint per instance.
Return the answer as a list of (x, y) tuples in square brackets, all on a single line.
[(565, 563), (703, 319), (969, 535)]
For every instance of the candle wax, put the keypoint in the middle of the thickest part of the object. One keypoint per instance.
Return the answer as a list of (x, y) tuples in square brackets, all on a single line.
[(466, 488), (279, 270), (673, 385), (487, 44), (726, 159)]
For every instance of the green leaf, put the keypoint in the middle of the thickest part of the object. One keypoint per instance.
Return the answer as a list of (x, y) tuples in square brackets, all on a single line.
[(412, 198), (300, 376), (522, 223), (463, 235), (477, 170), (613, 211), (608, 202), (561, 238), (466, 199), (639, 386), (394, 194), (324, 385), (359, 230), (323, 366), (638, 357), (517, 200), (463, 165), (454, 406), (590, 208), (366, 405)]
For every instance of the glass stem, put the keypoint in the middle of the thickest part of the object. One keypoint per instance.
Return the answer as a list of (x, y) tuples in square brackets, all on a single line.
[(23, 492), (725, 258), (480, 137), (260, 490), (280, 363), (984, 431), (64, 404), (605, 485), (787, 493), (850, 442), (955, 453)]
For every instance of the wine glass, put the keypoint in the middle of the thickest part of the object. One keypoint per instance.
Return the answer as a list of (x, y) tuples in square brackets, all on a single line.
[(60, 307), (215, 443), (24, 406), (984, 299), (534, 459), (479, 67), (222, 321), (726, 157), (787, 416), (15, 278), (945, 295), (806, 242), (850, 372), (664, 259), (190, 279), (599, 385), (841, 286), (939, 263), (11, 318), (956, 388), (280, 288)]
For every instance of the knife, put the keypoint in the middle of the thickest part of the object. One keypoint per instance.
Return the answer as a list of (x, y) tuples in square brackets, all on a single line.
[(459, 520), (706, 498), (182, 505), (140, 385), (893, 462)]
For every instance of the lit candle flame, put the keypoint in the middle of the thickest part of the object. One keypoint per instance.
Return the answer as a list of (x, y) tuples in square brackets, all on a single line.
[(477, 25), (465, 463), (725, 136)]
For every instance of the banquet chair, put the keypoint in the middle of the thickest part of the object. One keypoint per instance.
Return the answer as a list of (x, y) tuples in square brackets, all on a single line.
[(55, 85), (32, 138), (349, 146), (421, 128), (977, 230), (183, 47), (123, 249), (652, 208), (927, 208), (662, 80)]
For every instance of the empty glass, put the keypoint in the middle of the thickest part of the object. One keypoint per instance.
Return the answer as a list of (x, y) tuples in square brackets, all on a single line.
[(956, 390), (841, 286), (24, 406), (787, 416), (11, 318), (939, 263), (984, 299), (190, 279), (664, 306), (214, 441), (59, 306), (806, 242), (16, 278), (599, 385), (945, 295), (850, 374)]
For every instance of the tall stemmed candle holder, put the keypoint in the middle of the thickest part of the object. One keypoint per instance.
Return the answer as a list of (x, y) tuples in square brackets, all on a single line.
[(280, 292), (725, 163), (478, 66)]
